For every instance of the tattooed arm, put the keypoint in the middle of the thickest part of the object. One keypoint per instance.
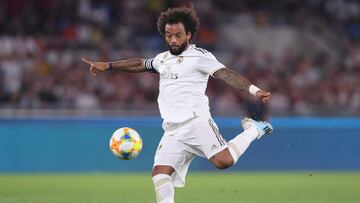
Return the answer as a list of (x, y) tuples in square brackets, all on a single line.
[(239, 82), (133, 65)]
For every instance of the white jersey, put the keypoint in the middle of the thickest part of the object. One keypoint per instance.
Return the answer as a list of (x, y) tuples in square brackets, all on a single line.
[(183, 81)]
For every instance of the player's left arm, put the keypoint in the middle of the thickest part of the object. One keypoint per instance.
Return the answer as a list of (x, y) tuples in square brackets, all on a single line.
[(239, 82)]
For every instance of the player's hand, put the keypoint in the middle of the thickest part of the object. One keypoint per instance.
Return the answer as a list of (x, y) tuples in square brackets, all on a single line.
[(96, 66), (263, 95)]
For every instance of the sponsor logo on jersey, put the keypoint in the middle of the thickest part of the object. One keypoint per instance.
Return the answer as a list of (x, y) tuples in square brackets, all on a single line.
[(168, 74)]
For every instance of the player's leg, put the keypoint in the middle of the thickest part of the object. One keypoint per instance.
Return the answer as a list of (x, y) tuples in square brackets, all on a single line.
[(211, 144), (236, 147), (171, 163), (164, 188), (252, 130), (225, 156)]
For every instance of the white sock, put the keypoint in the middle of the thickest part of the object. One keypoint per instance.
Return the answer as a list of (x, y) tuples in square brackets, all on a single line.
[(239, 144), (164, 188)]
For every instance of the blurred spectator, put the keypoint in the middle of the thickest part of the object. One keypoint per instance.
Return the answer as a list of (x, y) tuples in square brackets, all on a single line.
[(306, 53)]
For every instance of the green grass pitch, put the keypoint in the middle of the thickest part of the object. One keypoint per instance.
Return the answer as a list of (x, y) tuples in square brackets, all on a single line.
[(217, 187)]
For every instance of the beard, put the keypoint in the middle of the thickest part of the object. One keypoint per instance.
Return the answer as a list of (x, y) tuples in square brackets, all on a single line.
[(177, 50)]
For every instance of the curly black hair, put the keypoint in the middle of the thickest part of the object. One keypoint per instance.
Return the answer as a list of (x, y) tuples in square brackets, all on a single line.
[(185, 15)]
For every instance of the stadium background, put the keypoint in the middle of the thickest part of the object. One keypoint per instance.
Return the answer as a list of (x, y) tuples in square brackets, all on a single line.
[(56, 117)]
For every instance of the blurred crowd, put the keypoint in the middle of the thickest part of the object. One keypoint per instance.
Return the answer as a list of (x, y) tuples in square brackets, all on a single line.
[(42, 43)]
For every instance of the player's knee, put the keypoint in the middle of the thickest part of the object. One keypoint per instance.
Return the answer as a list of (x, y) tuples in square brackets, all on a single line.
[(222, 160), (224, 163), (156, 170), (159, 169)]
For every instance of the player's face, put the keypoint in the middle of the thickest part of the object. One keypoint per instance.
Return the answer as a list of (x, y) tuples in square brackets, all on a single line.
[(177, 38)]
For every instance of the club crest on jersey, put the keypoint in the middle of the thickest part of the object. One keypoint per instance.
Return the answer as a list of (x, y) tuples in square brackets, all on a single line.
[(168, 74)]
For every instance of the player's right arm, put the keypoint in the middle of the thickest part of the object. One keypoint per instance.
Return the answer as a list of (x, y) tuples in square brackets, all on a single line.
[(134, 65)]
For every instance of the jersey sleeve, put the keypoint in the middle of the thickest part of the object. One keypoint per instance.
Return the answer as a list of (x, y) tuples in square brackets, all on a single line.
[(208, 64), (152, 64)]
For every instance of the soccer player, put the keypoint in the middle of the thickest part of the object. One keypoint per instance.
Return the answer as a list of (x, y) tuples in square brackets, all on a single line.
[(189, 129)]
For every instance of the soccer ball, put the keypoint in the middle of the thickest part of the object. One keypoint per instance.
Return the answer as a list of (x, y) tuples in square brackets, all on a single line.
[(125, 143)]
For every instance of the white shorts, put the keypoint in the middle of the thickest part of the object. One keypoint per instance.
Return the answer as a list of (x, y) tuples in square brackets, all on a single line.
[(198, 136)]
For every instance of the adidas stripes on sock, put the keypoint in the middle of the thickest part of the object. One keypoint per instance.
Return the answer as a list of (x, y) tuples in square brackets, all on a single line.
[(239, 144), (164, 188)]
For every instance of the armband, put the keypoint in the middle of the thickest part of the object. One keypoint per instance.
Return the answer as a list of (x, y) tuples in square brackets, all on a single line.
[(149, 65)]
